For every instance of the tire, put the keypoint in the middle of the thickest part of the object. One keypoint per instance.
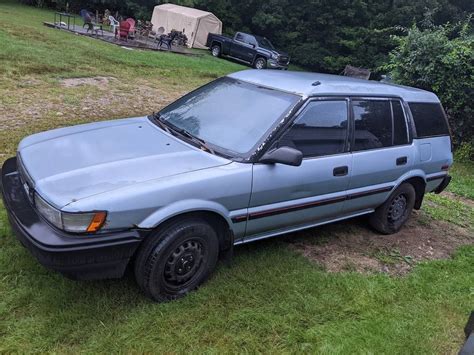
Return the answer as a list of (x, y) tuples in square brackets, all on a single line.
[(390, 217), (216, 50), (177, 259), (260, 63)]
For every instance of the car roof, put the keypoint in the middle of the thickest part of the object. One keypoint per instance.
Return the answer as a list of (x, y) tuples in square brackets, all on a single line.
[(311, 84)]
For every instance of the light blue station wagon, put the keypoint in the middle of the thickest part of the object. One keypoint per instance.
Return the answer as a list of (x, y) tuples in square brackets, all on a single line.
[(248, 156)]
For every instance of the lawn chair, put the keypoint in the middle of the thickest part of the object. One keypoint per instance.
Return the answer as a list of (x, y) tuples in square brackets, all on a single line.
[(114, 24), (161, 38), (123, 31), (131, 31)]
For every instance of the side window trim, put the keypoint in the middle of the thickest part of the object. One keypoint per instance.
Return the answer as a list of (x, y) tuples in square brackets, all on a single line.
[(319, 99), (408, 125), (393, 123), (407, 114)]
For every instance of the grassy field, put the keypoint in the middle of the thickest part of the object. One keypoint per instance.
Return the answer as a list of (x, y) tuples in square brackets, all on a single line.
[(273, 298)]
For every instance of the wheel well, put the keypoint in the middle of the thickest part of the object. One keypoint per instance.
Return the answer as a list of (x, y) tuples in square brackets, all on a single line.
[(419, 184), (219, 223), (215, 43), (259, 56)]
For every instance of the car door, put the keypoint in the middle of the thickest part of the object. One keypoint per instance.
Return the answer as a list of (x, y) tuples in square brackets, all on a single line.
[(242, 47), (288, 197), (381, 150)]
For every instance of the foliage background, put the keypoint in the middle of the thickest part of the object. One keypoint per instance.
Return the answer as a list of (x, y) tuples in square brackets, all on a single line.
[(440, 59), (423, 43), (322, 35)]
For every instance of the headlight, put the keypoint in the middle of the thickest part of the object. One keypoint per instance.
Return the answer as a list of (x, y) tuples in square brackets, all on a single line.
[(48, 212), (71, 222), (83, 222), (275, 56)]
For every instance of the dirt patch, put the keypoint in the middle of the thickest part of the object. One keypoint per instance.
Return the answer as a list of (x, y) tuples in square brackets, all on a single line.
[(353, 246), (100, 81)]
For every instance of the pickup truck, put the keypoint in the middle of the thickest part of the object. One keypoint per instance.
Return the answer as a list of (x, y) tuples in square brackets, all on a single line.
[(254, 50)]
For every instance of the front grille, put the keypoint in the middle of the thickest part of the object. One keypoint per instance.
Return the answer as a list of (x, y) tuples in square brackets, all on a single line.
[(26, 180), (283, 59)]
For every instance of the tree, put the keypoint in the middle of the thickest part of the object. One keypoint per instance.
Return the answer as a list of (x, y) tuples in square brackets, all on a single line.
[(440, 59)]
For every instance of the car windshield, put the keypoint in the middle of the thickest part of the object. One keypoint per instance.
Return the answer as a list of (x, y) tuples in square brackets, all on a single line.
[(263, 42), (229, 114)]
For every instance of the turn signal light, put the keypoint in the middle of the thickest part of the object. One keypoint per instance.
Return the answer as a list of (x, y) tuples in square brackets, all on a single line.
[(97, 221)]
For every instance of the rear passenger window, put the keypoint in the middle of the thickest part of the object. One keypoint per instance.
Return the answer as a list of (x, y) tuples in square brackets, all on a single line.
[(429, 119), (373, 124), (239, 37), (400, 132), (321, 129)]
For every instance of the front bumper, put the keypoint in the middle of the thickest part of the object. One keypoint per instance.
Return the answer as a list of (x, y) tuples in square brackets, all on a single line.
[(77, 257), (274, 64)]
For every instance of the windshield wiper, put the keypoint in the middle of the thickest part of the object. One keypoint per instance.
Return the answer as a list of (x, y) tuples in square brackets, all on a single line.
[(157, 118), (170, 127), (201, 142)]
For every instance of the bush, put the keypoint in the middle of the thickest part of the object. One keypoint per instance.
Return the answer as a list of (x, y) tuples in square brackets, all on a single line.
[(465, 152), (440, 59)]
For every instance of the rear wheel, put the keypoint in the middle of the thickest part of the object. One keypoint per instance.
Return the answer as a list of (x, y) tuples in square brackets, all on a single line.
[(392, 215), (177, 259), (260, 63), (216, 50)]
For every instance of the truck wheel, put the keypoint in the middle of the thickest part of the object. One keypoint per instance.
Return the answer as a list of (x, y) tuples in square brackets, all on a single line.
[(392, 215), (216, 50), (177, 259), (260, 63)]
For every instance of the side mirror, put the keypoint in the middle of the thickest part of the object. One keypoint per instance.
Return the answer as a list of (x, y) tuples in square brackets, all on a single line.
[(283, 155)]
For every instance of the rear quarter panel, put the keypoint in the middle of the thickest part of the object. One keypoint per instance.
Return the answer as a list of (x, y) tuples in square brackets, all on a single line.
[(431, 154)]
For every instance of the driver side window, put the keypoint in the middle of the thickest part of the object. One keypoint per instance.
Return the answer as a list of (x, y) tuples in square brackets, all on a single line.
[(320, 129)]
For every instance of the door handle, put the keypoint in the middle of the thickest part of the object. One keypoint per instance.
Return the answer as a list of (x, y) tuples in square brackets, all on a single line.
[(340, 171), (402, 160)]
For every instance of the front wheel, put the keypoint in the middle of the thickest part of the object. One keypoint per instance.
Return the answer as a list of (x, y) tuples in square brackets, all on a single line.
[(177, 260), (392, 215), (260, 63)]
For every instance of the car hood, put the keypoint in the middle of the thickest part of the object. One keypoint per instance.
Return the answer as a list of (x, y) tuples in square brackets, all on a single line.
[(68, 164), (280, 53)]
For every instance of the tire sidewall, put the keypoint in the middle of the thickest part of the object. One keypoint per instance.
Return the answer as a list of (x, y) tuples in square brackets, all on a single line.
[(153, 281)]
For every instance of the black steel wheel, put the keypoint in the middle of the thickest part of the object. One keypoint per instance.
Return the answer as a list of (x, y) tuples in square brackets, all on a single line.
[(393, 214), (176, 259), (397, 208), (183, 263)]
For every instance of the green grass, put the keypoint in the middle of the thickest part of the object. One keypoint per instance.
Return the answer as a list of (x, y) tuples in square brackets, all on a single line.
[(462, 183), (270, 300), (446, 209)]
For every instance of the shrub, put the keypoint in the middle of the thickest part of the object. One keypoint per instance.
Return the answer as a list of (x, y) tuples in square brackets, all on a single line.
[(440, 59), (465, 152)]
